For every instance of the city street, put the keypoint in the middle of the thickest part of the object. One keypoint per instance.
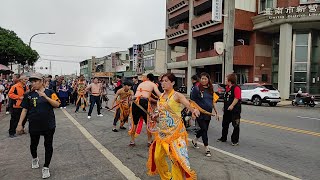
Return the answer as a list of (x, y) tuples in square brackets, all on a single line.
[(95, 152)]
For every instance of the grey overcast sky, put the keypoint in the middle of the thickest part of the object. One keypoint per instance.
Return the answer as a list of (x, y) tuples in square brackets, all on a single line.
[(100, 23)]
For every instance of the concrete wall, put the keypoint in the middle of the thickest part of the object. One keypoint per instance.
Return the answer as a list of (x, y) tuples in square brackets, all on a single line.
[(160, 59), (247, 5)]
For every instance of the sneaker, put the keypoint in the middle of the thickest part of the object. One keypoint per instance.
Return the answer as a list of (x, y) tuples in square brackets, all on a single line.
[(195, 145), (64, 107), (100, 115), (45, 173), (35, 163), (76, 111), (208, 153), (89, 117), (132, 144), (221, 140), (61, 107), (235, 144), (12, 136), (114, 130), (121, 127), (7, 113)]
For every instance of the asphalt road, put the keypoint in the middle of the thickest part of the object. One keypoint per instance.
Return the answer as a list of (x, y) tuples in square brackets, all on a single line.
[(287, 150)]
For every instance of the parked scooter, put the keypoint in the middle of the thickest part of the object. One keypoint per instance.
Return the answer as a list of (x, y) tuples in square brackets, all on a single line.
[(304, 99)]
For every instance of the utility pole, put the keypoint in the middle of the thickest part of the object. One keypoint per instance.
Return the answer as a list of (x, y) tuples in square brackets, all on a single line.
[(228, 37)]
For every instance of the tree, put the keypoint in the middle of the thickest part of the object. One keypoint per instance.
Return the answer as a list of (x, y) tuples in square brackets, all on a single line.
[(13, 49)]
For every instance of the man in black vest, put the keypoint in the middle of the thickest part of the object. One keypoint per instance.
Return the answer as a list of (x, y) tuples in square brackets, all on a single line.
[(232, 110)]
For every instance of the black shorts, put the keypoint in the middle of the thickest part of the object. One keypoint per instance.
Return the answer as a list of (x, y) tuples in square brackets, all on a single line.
[(137, 112)]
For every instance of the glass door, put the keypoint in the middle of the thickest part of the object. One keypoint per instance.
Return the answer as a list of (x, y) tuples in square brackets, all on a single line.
[(301, 62)]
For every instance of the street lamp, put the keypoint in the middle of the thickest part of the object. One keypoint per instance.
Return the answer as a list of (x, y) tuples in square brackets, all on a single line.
[(36, 35)]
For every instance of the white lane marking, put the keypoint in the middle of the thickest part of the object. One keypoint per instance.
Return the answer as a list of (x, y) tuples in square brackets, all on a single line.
[(252, 162), (113, 159), (302, 117)]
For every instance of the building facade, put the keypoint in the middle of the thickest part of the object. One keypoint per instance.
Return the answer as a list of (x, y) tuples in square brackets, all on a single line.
[(256, 44)]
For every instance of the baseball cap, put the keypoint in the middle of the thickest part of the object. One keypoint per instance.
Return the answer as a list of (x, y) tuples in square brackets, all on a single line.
[(35, 76)]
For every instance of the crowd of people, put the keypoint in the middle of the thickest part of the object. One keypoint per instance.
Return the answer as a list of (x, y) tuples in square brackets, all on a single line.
[(153, 100)]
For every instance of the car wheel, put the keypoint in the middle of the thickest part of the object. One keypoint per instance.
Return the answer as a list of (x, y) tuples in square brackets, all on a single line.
[(257, 101), (272, 104)]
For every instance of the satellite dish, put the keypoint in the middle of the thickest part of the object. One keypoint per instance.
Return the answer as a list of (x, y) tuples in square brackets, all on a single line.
[(219, 47)]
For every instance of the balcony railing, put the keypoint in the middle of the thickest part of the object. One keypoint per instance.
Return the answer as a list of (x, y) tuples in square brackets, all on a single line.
[(175, 5), (203, 21), (242, 55), (205, 54), (182, 58), (177, 31), (198, 2)]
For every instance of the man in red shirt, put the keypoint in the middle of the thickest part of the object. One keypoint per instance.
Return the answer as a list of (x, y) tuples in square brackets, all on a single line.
[(231, 110)]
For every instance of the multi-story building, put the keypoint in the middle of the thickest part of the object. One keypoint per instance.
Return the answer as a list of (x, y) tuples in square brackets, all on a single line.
[(86, 68), (120, 62), (275, 41)]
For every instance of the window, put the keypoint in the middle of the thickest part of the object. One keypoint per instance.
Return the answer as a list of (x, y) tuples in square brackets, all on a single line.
[(264, 78), (263, 4), (149, 62)]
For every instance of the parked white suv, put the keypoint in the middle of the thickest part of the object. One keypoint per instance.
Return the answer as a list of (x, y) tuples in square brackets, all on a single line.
[(258, 94)]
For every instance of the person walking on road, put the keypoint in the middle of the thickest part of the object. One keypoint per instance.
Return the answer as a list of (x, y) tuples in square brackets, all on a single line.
[(141, 105), (171, 136), (16, 94), (38, 108), (203, 96), (95, 89), (63, 92), (123, 98), (231, 110), (80, 87)]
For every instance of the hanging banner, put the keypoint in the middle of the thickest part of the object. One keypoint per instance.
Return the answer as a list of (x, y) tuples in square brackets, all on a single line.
[(217, 10), (309, 1)]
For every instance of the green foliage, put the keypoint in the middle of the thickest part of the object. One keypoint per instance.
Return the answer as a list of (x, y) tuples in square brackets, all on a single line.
[(13, 49)]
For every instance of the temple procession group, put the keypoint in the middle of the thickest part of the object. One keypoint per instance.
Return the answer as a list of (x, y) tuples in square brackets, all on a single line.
[(152, 101)]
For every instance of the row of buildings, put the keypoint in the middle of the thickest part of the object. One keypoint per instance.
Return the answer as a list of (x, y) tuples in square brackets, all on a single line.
[(271, 41), (139, 59)]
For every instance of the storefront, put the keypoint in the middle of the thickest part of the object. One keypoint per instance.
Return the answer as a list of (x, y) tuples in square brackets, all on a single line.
[(295, 34)]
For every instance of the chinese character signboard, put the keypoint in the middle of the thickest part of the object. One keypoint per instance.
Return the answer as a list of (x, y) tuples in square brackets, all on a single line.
[(217, 10), (309, 10), (309, 1)]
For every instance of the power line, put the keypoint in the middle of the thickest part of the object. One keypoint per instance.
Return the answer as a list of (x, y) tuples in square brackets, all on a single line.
[(72, 45), (59, 60), (64, 56)]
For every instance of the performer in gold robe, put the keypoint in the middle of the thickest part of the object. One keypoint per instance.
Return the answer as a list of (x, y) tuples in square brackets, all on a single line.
[(170, 135), (122, 99)]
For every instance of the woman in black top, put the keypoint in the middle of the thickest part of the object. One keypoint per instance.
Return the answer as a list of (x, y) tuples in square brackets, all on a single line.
[(38, 107), (203, 96)]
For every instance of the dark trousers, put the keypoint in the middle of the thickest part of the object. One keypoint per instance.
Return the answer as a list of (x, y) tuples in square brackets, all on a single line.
[(15, 117), (79, 104), (93, 101), (116, 118), (203, 131), (228, 118), (48, 141), (63, 101)]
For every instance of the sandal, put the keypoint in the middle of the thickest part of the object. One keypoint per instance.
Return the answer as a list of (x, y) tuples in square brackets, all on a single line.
[(195, 145)]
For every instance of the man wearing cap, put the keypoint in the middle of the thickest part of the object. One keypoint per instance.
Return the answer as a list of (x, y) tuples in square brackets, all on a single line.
[(16, 94)]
